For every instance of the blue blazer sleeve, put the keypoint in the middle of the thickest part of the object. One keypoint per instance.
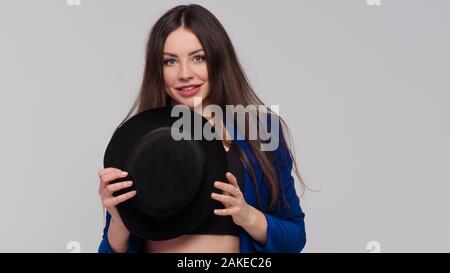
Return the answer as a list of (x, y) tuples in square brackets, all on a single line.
[(285, 226), (104, 247)]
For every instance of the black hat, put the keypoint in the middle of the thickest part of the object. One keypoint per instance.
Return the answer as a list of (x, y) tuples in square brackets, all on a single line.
[(173, 178)]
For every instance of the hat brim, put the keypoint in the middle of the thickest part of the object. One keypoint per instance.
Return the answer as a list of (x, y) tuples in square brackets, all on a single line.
[(201, 206)]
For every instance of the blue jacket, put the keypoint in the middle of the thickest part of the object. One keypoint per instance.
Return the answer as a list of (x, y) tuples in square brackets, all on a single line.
[(285, 225)]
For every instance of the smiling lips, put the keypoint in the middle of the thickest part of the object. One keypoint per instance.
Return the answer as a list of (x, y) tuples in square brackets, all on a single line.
[(188, 90)]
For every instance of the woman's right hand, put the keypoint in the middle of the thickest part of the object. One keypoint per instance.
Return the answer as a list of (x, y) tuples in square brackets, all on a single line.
[(106, 190)]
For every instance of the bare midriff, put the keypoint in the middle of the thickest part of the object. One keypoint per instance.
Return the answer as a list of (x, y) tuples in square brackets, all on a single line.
[(201, 243)]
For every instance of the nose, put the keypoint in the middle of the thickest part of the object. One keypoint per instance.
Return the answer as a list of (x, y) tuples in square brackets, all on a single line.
[(185, 72)]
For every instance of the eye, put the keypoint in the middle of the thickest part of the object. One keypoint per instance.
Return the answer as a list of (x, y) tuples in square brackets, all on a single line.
[(167, 62), (199, 58)]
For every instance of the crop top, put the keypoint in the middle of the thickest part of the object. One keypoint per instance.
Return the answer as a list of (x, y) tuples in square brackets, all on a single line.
[(216, 224)]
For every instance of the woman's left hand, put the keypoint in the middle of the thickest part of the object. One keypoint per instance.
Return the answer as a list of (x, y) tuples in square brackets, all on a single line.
[(233, 200)]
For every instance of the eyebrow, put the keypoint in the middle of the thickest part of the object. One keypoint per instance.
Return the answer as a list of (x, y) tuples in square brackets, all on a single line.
[(192, 53)]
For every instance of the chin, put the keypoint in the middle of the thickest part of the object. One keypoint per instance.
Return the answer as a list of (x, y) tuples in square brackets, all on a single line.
[(189, 102)]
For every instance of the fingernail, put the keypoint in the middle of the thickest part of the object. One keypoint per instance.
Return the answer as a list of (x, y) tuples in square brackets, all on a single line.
[(130, 183), (124, 173)]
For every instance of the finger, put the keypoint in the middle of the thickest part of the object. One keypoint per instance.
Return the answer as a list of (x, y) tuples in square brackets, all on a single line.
[(228, 188), (218, 184), (109, 190), (232, 179), (224, 212), (114, 201), (118, 186), (108, 177), (225, 199), (107, 170)]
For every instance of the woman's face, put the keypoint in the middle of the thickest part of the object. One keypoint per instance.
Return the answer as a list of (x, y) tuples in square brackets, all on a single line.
[(185, 65)]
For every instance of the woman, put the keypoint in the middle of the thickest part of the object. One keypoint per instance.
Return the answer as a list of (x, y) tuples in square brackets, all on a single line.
[(189, 54)]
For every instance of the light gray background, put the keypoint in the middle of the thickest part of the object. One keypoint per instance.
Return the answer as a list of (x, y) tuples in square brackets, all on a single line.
[(363, 88)]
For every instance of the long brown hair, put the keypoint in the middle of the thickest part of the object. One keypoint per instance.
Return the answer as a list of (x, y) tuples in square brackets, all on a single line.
[(228, 82)]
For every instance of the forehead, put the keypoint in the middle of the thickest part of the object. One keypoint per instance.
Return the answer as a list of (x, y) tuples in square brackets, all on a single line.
[(181, 42)]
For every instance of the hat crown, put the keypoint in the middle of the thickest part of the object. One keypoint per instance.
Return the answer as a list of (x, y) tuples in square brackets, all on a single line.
[(157, 165)]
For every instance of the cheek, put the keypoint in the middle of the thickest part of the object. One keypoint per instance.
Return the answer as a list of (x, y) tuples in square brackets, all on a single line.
[(169, 77), (203, 73), (168, 83), (206, 90)]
